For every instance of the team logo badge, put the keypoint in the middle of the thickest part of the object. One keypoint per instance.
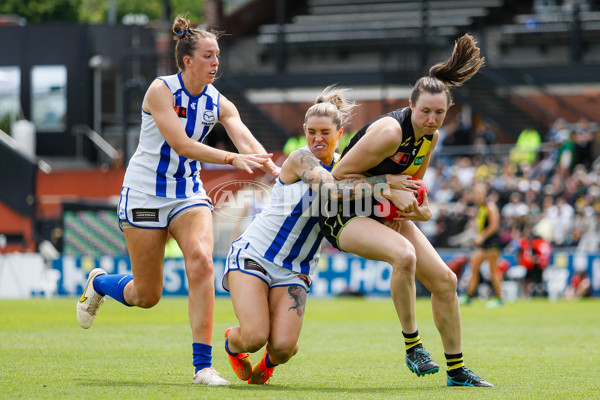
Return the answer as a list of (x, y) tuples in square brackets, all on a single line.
[(208, 116), (400, 158)]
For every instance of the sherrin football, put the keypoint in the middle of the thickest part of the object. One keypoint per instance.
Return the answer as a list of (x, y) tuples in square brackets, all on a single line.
[(393, 210)]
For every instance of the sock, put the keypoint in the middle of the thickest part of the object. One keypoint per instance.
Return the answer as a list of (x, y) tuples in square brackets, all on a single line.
[(454, 362), (268, 362), (227, 348), (202, 355), (112, 285), (412, 341)]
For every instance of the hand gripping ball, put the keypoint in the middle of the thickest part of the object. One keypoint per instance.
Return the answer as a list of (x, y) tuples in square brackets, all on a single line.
[(393, 210)]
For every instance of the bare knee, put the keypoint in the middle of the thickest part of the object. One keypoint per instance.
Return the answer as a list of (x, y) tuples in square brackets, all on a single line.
[(199, 264), (253, 341), (445, 283), (281, 352), (404, 261)]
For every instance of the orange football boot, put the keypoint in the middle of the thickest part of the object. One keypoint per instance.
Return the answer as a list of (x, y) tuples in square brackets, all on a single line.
[(261, 374), (240, 363)]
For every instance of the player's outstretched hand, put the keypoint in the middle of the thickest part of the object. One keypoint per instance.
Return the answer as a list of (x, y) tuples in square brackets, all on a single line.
[(272, 168), (248, 161)]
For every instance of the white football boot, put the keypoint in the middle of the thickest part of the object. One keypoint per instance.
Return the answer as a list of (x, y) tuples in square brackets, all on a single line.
[(209, 376), (90, 301)]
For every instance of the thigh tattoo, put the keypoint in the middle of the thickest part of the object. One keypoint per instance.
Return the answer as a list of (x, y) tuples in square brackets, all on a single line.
[(298, 295)]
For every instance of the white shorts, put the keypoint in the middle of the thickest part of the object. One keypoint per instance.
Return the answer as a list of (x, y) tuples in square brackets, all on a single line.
[(242, 257), (142, 210)]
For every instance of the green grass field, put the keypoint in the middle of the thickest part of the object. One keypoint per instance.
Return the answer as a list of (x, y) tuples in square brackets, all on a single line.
[(349, 348)]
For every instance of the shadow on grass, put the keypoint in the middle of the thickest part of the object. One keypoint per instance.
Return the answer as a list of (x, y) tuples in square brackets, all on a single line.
[(243, 387), (109, 383), (334, 390)]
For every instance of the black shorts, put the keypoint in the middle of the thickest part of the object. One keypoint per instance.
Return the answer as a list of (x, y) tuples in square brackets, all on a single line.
[(535, 274), (492, 242), (331, 222)]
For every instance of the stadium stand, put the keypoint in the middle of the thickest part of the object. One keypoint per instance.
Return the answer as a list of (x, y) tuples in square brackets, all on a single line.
[(92, 233), (513, 116), (356, 22), (266, 129), (575, 25)]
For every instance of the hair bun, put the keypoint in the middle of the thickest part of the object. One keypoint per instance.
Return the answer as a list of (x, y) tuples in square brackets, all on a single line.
[(180, 28)]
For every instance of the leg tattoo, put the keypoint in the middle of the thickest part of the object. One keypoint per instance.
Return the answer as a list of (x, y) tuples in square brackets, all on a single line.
[(298, 295)]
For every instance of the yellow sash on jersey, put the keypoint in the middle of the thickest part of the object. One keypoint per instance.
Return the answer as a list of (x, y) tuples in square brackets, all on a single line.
[(482, 216), (418, 160)]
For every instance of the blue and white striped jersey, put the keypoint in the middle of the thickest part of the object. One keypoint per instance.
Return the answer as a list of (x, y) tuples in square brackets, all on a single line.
[(286, 232), (155, 168)]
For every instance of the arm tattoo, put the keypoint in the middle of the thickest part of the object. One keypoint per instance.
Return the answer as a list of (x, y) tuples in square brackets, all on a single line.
[(312, 172), (298, 296), (360, 187)]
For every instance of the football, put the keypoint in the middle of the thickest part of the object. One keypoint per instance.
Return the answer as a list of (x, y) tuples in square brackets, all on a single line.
[(393, 210), (421, 192)]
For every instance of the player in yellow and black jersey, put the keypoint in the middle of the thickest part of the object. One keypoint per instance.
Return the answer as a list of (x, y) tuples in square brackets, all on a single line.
[(402, 142), (487, 245)]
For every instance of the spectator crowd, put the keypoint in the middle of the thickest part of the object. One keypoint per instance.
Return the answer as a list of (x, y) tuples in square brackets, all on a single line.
[(547, 187)]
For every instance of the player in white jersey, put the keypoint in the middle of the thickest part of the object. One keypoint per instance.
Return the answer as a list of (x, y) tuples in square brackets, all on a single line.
[(155, 168), (270, 267), (162, 191)]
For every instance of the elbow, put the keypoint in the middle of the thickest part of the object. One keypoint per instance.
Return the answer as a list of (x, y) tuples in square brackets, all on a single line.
[(180, 148), (339, 174)]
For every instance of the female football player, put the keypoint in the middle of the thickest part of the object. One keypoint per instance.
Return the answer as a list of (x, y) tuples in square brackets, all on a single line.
[(270, 266), (402, 141), (162, 192)]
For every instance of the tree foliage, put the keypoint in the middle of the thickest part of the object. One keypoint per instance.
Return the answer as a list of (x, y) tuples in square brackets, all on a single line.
[(42, 10), (96, 11), (194, 10)]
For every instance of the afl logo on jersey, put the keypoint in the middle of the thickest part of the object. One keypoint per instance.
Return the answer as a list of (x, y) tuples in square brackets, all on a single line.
[(208, 117)]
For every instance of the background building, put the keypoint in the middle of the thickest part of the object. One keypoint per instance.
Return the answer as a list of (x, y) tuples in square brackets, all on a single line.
[(81, 86)]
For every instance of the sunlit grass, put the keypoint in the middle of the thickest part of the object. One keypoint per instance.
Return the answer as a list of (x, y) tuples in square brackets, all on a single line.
[(349, 348)]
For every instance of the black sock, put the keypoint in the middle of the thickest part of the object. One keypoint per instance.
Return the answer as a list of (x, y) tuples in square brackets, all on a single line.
[(412, 341), (454, 362)]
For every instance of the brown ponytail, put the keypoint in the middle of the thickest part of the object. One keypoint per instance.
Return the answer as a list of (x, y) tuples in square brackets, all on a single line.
[(462, 64), (459, 68)]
